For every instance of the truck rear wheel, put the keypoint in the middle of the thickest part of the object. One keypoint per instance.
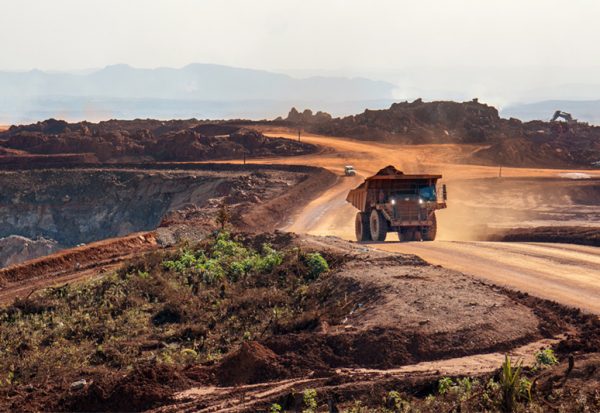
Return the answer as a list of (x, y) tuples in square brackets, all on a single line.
[(430, 232), (361, 227), (378, 225)]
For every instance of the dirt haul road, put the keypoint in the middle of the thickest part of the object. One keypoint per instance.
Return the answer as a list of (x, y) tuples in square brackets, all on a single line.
[(565, 273)]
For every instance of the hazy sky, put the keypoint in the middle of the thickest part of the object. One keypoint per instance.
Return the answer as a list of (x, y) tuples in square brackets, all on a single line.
[(525, 41)]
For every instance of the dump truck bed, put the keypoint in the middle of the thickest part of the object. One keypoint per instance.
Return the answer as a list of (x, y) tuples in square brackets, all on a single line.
[(387, 181)]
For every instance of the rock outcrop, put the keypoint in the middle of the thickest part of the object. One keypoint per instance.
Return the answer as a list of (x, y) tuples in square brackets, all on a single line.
[(15, 249), (507, 141), (90, 205), (307, 117)]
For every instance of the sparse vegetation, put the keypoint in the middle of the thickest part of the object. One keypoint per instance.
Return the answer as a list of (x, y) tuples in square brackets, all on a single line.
[(394, 401), (444, 385), (170, 308), (317, 265), (510, 376), (310, 401), (275, 408), (545, 358), (509, 390)]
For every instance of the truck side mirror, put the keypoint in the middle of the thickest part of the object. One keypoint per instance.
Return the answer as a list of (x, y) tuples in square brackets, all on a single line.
[(444, 193)]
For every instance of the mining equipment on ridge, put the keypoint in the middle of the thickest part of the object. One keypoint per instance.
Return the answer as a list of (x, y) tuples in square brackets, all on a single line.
[(391, 201), (560, 127), (564, 115)]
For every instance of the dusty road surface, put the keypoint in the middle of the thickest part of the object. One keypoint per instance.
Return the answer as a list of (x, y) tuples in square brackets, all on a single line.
[(569, 274), (566, 273)]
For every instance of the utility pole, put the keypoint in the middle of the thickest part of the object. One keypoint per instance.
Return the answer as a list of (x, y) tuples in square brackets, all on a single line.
[(299, 130), (244, 156), (500, 172)]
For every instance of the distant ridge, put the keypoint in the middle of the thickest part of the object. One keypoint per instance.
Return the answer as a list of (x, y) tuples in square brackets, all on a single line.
[(199, 90)]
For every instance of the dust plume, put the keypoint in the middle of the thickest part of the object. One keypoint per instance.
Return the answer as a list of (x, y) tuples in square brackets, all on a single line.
[(479, 209)]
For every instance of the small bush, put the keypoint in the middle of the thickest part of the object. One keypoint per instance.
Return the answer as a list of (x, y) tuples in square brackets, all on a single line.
[(525, 388), (395, 402), (545, 358), (316, 264), (310, 401), (275, 408), (444, 385)]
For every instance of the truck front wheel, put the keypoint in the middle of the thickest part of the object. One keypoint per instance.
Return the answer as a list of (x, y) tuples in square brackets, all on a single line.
[(361, 227), (378, 225), (430, 232)]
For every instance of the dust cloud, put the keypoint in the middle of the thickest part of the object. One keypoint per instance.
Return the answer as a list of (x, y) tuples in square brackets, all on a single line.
[(482, 208)]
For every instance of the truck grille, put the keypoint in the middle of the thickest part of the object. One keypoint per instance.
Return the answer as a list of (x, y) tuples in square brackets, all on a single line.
[(409, 212)]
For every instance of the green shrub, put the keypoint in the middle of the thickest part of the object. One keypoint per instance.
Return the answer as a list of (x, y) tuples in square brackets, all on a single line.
[(316, 264), (310, 401), (525, 388), (226, 248), (445, 384), (275, 408), (395, 402), (226, 258), (269, 260), (185, 261), (545, 358)]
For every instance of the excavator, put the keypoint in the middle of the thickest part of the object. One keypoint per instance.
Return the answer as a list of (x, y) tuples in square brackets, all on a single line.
[(564, 115), (562, 127)]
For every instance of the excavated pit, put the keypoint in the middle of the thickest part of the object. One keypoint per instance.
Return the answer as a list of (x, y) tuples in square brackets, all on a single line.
[(74, 208), (68, 207)]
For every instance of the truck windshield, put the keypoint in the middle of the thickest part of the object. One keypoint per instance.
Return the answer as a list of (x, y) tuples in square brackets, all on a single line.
[(427, 193)]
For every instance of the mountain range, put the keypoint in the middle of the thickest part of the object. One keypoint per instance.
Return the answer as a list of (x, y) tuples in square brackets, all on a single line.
[(196, 90), (212, 91)]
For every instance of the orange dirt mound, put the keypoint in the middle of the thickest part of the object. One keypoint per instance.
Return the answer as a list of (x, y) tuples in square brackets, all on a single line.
[(139, 390), (251, 363)]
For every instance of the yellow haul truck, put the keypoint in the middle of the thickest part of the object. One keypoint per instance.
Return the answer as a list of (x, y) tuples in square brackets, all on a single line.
[(391, 201)]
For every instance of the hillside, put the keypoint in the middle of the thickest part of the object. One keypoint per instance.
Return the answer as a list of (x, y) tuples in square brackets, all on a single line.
[(503, 141)]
